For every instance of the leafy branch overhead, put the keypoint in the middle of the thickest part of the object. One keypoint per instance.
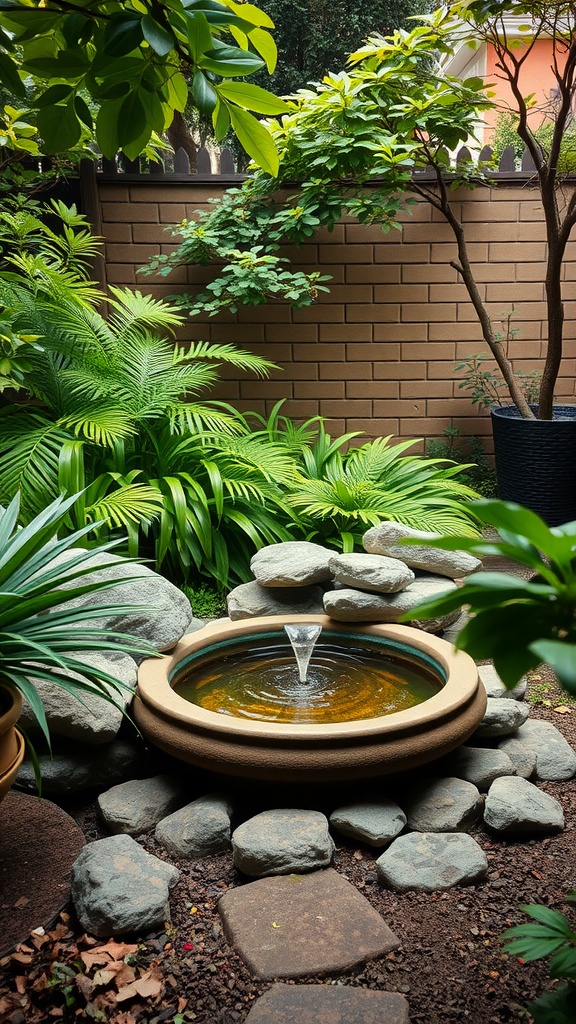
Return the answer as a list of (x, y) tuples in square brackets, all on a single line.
[(129, 61)]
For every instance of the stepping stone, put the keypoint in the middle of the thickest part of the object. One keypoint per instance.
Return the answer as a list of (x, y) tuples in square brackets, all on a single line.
[(502, 718), (429, 861), (495, 687), (281, 842), (443, 805), (298, 925), (374, 823), (135, 807), (327, 1004), (515, 806), (479, 765), (555, 759), (201, 829)]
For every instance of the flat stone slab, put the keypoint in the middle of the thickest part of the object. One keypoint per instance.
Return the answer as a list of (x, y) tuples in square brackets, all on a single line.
[(250, 599), (429, 861), (327, 1004), (292, 926)]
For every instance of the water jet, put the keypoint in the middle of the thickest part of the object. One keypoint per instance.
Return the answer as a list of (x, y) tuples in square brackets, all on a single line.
[(379, 699)]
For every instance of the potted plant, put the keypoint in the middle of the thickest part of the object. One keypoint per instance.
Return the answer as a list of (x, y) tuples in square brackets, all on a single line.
[(365, 142), (40, 574)]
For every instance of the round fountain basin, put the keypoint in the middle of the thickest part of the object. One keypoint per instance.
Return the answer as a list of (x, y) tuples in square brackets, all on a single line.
[(408, 698)]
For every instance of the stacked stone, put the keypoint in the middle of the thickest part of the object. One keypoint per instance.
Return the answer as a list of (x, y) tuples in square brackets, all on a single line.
[(380, 584)]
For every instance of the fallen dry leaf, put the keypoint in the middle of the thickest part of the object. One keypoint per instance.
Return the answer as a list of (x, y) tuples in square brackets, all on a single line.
[(562, 710)]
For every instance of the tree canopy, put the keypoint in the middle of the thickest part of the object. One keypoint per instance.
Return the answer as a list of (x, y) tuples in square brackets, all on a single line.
[(118, 69)]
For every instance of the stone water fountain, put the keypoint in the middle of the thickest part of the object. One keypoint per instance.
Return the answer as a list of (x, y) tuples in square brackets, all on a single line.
[(370, 700)]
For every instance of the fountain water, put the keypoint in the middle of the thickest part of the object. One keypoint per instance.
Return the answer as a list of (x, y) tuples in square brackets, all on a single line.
[(303, 637), (236, 726)]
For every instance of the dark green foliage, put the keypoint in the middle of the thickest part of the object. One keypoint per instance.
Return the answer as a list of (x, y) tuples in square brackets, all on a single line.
[(552, 937), (468, 452)]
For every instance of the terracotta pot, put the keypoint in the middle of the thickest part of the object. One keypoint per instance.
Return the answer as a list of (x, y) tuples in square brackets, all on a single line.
[(11, 741)]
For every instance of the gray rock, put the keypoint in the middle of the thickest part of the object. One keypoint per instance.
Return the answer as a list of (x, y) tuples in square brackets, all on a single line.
[(502, 718), (522, 755), (371, 572), (478, 765), (250, 599), (442, 805), (200, 829), (118, 888), (384, 540), (495, 687), (166, 612), (76, 770), (281, 842), (137, 806), (361, 606), (85, 718), (427, 862), (292, 563), (514, 806), (375, 823), (555, 758)]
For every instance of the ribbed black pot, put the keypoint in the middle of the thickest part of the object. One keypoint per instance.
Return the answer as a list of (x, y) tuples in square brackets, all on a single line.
[(536, 461)]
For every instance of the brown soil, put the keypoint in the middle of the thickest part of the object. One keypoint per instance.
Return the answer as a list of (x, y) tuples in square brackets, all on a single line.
[(451, 965)]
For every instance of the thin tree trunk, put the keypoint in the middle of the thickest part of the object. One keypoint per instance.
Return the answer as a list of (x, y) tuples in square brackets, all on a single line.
[(179, 137)]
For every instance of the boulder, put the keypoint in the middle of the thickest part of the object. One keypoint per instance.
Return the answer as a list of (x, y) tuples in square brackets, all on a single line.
[(360, 606), (521, 754), (495, 687), (515, 806), (118, 888), (376, 822), (442, 805), (501, 718), (200, 829), (293, 563), (427, 862), (85, 718), (555, 758), (75, 769), (137, 806), (166, 612), (281, 842), (478, 765), (384, 540), (250, 599), (371, 572)]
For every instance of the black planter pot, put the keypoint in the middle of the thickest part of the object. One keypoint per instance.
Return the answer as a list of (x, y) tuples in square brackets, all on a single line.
[(536, 461)]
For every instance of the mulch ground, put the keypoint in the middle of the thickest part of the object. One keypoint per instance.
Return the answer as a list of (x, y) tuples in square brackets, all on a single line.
[(451, 965)]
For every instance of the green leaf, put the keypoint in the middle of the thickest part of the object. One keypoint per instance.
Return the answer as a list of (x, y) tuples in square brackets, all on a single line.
[(252, 97), (59, 128), (256, 140), (220, 121), (203, 93), (131, 117), (562, 658), (557, 1007), (265, 44), (177, 91), (123, 34), (107, 121), (199, 35), (9, 76), (157, 36), (83, 111), (54, 94), (230, 61)]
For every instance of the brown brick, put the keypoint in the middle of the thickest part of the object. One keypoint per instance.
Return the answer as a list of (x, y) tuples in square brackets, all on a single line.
[(153, 233), (423, 427), (120, 273), (333, 353), (172, 213), (372, 389), (345, 253), (401, 293), (506, 210), (376, 351), (300, 409), (125, 212), (530, 209), (367, 273), (528, 252), (417, 253), (226, 391), (429, 311), (429, 273), (301, 371), (259, 388), (532, 231), (400, 371), (444, 252), (292, 332), (425, 389), (466, 332), (400, 332), (279, 314), (347, 407), (337, 236), (429, 350), (440, 370), (113, 193), (346, 371), (319, 314), (490, 232), (435, 232), (345, 332), (452, 292), (118, 232), (399, 408), (361, 233), (449, 407), (526, 311), (245, 335), (319, 389), (373, 427), (419, 211), (347, 293), (303, 255), (375, 313), (135, 254), (530, 292)]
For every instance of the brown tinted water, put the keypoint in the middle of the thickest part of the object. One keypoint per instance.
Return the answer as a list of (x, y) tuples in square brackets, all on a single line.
[(345, 683)]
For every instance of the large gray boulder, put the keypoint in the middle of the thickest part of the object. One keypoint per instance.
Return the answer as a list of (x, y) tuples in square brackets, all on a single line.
[(77, 768), (281, 842), (118, 888), (347, 605), (501, 718), (250, 599), (515, 806), (200, 829), (376, 822), (427, 862), (442, 805), (166, 612), (137, 806), (292, 563), (85, 717), (384, 540), (555, 758), (371, 572)]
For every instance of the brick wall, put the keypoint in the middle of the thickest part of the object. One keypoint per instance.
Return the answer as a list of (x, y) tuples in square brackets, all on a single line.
[(377, 354)]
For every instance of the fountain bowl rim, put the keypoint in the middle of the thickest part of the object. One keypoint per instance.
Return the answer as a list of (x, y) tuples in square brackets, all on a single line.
[(156, 691)]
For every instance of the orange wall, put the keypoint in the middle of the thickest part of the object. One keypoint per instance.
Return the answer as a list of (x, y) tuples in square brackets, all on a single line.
[(536, 77)]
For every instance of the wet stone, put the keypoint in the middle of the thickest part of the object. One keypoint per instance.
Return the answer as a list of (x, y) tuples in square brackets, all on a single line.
[(442, 805), (333, 1004), (375, 823), (427, 862), (283, 841), (295, 926)]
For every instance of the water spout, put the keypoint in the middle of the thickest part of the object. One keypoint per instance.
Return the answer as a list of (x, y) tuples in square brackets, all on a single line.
[(303, 637)]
